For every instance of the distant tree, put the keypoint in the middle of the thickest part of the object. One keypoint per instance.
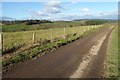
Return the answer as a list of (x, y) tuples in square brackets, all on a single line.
[(95, 22)]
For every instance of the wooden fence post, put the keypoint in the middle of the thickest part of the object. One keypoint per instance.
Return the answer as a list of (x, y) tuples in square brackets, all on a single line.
[(64, 32), (34, 33), (51, 35), (1, 44)]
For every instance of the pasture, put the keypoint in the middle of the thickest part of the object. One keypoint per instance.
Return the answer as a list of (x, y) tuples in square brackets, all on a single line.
[(16, 39)]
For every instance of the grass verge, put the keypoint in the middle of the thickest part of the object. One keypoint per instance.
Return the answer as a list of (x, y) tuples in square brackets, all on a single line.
[(111, 67)]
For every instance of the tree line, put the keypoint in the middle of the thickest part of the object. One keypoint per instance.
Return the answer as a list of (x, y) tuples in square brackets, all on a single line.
[(27, 22), (96, 22), (33, 22)]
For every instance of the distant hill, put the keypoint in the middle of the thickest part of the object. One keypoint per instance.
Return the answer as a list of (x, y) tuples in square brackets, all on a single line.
[(95, 19), (26, 25)]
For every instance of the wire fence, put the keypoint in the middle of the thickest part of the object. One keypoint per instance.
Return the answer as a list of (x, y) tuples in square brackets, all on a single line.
[(13, 39)]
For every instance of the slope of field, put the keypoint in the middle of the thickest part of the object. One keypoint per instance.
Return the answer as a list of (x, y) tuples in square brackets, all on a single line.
[(112, 56), (13, 40), (23, 27)]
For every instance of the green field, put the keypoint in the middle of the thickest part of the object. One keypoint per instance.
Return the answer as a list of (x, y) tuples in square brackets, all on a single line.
[(21, 43), (112, 68), (16, 39), (23, 27)]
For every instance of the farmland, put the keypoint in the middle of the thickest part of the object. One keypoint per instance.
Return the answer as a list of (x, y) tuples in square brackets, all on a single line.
[(23, 42), (58, 39), (24, 27), (70, 52), (14, 39)]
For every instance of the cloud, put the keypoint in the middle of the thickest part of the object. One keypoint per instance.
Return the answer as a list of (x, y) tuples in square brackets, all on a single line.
[(88, 14), (70, 17), (107, 15), (84, 10), (6, 18), (50, 8), (91, 15), (74, 1), (53, 10)]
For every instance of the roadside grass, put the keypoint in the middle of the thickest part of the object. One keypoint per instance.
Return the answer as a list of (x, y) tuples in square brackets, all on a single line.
[(111, 68), (9, 60)]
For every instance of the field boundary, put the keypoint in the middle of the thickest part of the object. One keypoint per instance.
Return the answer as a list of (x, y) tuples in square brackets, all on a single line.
[(41, 50)]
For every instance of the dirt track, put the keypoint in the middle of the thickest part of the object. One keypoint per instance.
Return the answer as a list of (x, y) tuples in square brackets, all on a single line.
[(64, 62)]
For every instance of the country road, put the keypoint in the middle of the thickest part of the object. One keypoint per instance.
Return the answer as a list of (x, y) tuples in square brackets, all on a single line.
[(83, 58)]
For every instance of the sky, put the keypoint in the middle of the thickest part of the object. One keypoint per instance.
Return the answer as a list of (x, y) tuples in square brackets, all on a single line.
[(58, 10), (60, 0)]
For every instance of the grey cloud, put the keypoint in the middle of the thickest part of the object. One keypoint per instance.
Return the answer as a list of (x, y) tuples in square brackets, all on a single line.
[(53, 7), (49, 9)]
